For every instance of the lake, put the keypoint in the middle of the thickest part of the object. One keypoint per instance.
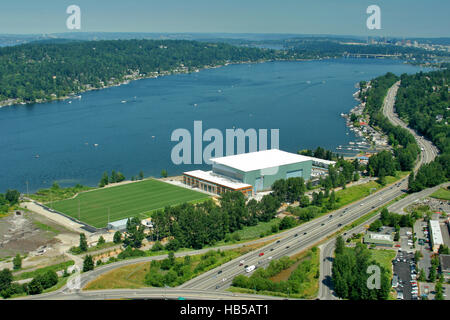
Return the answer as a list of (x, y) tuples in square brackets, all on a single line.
[(128, 128)]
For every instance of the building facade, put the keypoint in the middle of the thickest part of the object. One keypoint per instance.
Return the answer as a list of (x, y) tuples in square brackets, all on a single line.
[(253, 172)]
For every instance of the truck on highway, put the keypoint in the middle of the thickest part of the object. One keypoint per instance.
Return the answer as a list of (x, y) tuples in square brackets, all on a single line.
[(250, 268)]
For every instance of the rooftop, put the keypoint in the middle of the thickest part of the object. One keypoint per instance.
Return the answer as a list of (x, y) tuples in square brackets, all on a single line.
[(217, 179), (261, 160), (378, 238), (436, 232), (119, 223)]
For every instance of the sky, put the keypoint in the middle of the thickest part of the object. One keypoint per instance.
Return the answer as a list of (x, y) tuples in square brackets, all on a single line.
[(399, 18)]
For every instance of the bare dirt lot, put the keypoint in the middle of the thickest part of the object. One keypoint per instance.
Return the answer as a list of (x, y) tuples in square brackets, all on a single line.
[(26, 232)]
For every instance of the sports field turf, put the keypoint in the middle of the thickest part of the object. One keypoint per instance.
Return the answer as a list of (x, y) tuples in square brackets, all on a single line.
[(129, 200)]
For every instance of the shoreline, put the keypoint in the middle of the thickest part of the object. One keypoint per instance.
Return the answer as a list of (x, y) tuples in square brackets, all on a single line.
[(75, 95)]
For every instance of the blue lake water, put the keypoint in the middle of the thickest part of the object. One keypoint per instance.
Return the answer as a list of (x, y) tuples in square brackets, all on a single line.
[(303, 100)]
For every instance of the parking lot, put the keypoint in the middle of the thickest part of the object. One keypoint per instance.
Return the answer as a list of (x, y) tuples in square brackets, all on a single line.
[(423, 244), (427, 289), (404, 269)]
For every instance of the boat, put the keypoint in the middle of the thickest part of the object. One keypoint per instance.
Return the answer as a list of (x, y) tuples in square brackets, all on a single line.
[(95, 145), (124, 101)]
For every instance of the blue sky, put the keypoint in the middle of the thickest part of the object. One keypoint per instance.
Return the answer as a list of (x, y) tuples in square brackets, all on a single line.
[(421, 18)]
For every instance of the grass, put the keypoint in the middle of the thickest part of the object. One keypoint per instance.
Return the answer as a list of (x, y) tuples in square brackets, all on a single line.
[(133, 276), (384, 258), (34, 273), (254, 232), (308, 288), (45, 227), (124, 201), (129, 277), (443, 194), (54, 194)]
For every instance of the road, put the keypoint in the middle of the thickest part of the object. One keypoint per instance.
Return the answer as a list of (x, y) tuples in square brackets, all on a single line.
[(427, 155), (429, 150), (291, 242), (399, 205)]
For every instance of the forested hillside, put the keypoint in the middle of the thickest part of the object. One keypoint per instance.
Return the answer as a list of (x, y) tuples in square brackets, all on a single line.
[(38, 72), (423, 101)]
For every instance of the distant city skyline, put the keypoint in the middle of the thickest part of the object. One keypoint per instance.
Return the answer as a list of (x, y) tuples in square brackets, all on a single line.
[(400, 18)]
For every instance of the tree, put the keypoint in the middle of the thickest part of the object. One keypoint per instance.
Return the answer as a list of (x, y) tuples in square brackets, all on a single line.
[(17, 262), (88, 263), (164, 173), (421, 276), (5, 279), (104, 180), (340, 245), (35, 287), (287, 223), (12, 196), (173, 245), (48, 279), (157, 246), (135, 233), (113, 177), (141, 175), (117, 237), (417, 256), (120, 177), (101, 241), (83, 246)]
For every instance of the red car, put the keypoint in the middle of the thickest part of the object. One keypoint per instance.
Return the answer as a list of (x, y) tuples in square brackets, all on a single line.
[(261, 254)]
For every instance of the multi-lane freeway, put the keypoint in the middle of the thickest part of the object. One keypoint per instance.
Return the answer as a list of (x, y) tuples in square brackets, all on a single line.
[(211, 284), (429, 152)]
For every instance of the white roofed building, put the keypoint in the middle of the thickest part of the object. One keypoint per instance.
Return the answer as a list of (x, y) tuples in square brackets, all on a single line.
[(252, 172)]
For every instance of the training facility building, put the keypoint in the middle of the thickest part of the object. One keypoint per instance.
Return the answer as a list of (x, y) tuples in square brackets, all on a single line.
[(252, 172)]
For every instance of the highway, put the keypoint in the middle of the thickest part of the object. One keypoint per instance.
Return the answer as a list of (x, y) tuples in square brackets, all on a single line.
[(308, 234), (211, 284), (427, 155)]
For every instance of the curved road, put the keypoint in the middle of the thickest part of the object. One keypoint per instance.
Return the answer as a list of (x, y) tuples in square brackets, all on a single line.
[(210, 284), (429, 152)]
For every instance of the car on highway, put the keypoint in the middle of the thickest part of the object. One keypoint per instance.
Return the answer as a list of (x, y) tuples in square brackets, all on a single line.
[(271, 249), (220, 271), (295, 235), (304, 233), (269, 258), (250, 268), (261, 254), (322, 224), (340, 225), (287, 247)]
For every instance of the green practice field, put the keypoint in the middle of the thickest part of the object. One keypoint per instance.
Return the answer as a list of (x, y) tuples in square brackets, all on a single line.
[(129, 200)]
